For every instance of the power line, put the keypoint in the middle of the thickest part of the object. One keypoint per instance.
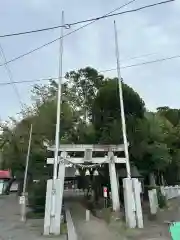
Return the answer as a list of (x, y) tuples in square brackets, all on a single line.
[(101, 71), (29, 81), (145, 63), (48, 43), (55, 78), (10, 75), (65, 35), (68, 25)]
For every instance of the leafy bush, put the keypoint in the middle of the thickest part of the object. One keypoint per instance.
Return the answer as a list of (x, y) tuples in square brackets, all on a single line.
[(37, 196)]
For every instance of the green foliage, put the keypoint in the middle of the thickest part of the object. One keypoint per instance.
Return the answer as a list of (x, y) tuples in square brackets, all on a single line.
[(149, 149), (172, 115), (106, 110), (90, 113)]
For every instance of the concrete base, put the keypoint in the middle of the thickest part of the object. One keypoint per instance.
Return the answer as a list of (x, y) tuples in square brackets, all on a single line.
[(47, 221), (129, 202), (53, 206), (137, 198), (153, 202)]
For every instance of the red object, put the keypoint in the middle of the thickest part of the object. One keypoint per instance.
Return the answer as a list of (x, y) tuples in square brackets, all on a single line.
[(105, 192), (5, 174)]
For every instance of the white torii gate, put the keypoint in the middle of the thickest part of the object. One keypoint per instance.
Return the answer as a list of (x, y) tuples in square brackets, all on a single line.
[(67, 148)]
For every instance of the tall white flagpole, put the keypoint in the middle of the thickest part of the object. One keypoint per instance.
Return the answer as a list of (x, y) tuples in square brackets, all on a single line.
[(122, 105), (57, 136)]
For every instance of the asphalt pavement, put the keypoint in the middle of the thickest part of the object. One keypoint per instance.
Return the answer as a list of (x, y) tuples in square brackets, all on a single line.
[(11, 228)]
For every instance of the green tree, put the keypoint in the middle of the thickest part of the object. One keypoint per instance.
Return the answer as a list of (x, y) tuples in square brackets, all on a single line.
[(106, 116), (82, 87), (149, 149), (90, 113), (172, 115)]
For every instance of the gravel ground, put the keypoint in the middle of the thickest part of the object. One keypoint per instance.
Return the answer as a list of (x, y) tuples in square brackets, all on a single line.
[(11, 228)]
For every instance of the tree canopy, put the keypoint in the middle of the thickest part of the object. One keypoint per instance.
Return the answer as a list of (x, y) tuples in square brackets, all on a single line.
[(90, 113)]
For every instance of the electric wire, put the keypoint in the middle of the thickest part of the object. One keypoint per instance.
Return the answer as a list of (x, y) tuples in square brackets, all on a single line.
[(65, 35), (77, 29), (68, 25), (101, 71), (10, 75)]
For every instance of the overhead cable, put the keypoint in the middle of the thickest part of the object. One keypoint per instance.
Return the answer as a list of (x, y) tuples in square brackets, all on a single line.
[(101, 71), (10, 75), (68, 25), (57, 39)]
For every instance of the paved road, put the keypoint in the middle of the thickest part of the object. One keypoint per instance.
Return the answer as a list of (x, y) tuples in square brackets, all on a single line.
[(10, 226)]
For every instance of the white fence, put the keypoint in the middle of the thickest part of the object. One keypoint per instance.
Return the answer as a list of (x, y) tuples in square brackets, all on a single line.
[(171, 191)]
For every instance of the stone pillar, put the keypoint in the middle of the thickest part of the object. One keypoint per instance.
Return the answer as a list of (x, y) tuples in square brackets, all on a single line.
[(152, 202), (47, 217), (129, 202), (59, 195), (52, 220), (114, 183), (156, 197), (163, 191), (137, 197)]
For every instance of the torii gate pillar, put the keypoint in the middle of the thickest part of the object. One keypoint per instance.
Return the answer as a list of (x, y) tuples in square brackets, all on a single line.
[(114, 183), (52, 221)]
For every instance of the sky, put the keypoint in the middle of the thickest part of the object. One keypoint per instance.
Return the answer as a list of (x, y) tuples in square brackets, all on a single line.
[(148, 34)]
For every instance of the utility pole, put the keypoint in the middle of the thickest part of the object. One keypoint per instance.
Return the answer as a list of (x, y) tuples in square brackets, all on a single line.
[(23, 196), (57, 136), (122, 104)]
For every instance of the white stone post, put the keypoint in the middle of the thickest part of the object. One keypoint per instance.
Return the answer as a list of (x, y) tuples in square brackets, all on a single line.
[(129, 203), (114, 183), (137, 198), (178, 190), (47, 218), (59, 195), (56, 220), (87, 215), (166, 189), (156, 197), (152, 202), (52, 222), (163, 191)]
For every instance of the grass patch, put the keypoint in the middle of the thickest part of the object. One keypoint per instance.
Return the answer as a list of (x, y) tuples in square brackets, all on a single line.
[(63, 228), (35, 215)]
